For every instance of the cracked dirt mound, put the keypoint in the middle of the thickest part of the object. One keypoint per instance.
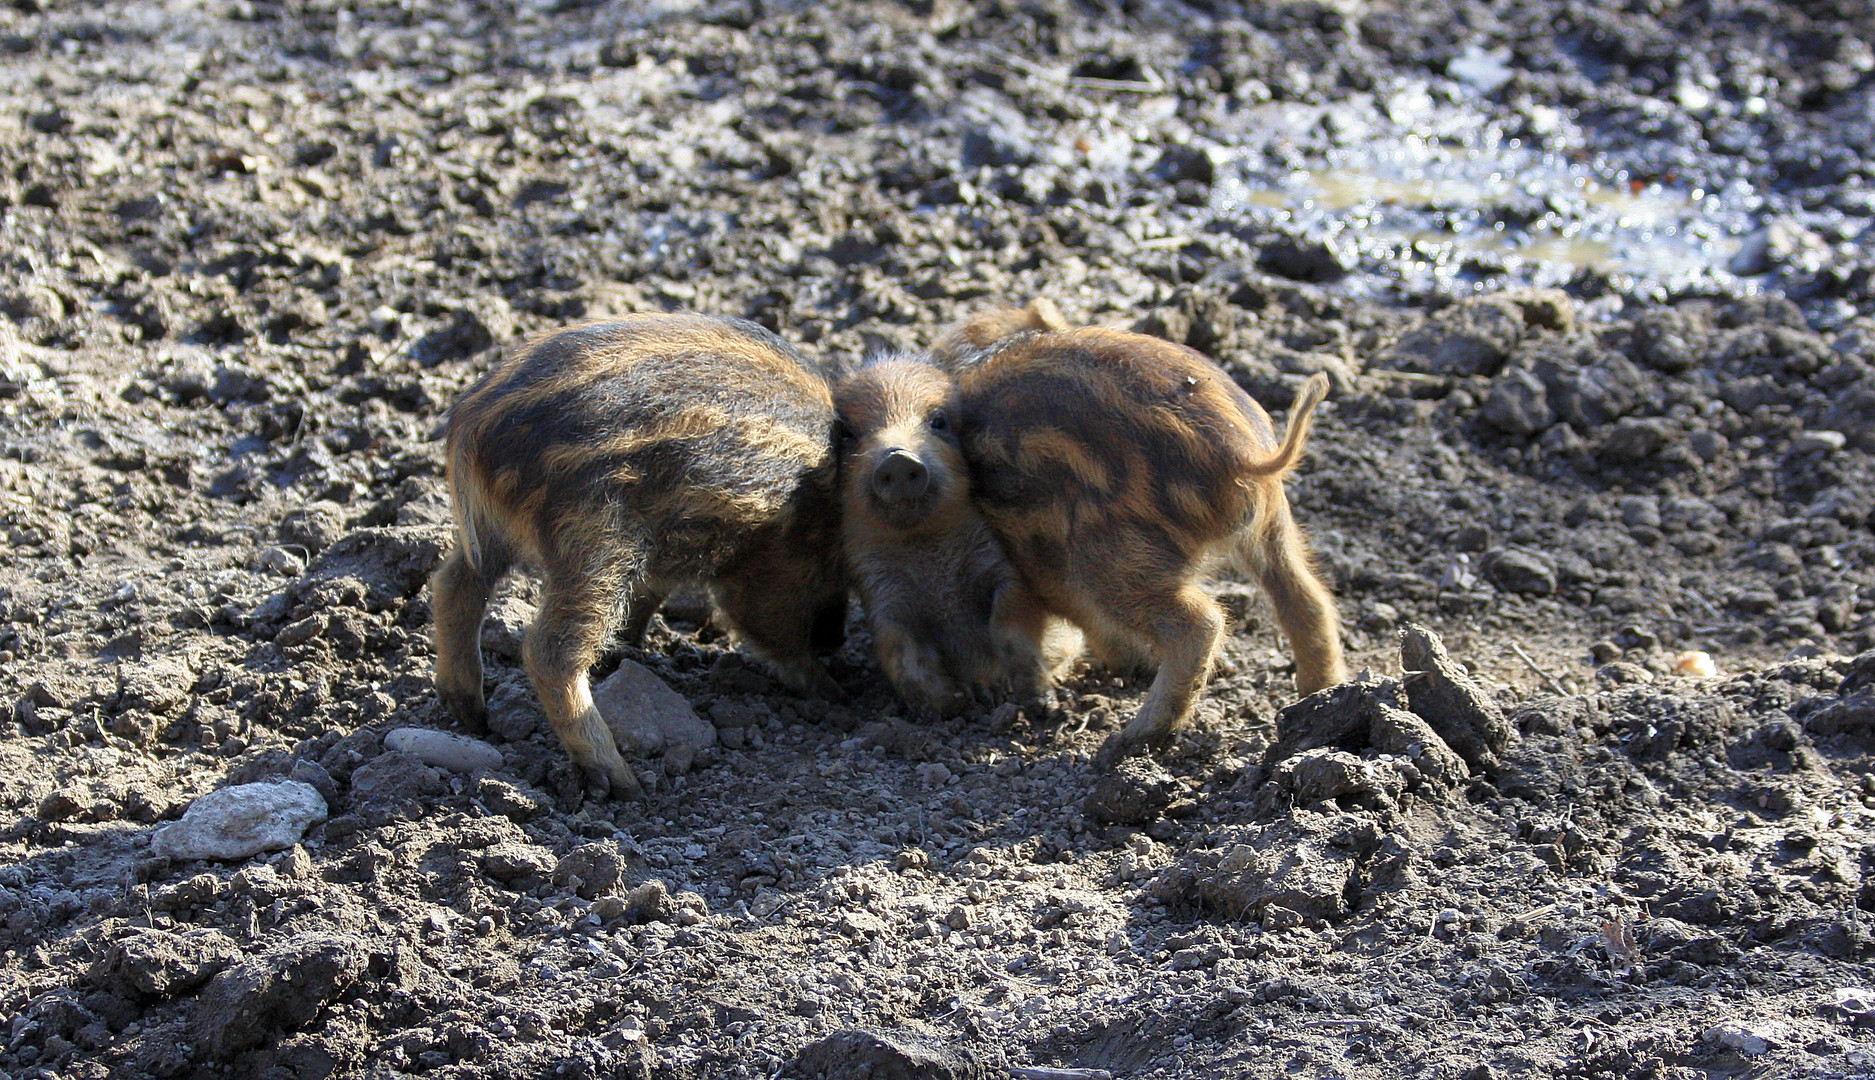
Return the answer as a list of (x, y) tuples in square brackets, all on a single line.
[(253, 249)]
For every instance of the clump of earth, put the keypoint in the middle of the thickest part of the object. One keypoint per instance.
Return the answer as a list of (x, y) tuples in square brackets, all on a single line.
[(1592, 282)]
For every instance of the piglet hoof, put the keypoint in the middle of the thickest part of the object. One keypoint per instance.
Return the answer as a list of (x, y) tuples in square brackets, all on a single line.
[(808, 679), (467, 711), (823, 686), (949, 706), (1116, 749), (1045, 710), (1050, 705), (619, 783), (1124, 743)]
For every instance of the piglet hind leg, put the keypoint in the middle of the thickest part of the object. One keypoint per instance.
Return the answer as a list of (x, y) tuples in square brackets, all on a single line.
[(566, 637), (459, 595), (1185, 630), (644, 604), (1280, 560), (778, 625)]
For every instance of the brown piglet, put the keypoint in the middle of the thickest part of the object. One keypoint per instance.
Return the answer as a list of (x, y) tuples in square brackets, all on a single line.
[(947, 611), (1115, 469), (623, 459)]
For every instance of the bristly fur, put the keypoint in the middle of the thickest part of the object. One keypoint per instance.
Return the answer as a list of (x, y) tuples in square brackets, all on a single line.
[(1114, 468), (947, 611), (621, 459)]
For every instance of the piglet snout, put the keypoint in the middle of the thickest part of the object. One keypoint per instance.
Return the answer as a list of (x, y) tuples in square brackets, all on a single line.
[(899, 477)]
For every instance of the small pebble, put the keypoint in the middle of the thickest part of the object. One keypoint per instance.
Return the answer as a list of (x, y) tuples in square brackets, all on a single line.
[(38, 302), (1857, 1002), (299, 633), (1740, 1037), (1827, 441), (457, 753), (383, 318), (296, 865), (280, 561)]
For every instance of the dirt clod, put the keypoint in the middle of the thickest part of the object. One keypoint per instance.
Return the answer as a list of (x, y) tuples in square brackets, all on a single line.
[(591, 870), (393, 783), (647, 718), (286, 986), (1451, 701), (1307, 863), (163, 964), (891, 1054), (1134, 793)]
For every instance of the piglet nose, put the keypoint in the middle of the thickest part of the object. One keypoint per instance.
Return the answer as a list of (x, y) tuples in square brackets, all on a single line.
[(899, 477)]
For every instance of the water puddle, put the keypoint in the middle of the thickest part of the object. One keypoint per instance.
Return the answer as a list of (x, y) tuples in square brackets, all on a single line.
[(1444, 196)]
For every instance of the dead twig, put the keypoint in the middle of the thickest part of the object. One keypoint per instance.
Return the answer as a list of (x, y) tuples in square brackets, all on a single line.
[(1533, 913), (1548, 679), (1151, 84), (1408, 376), (1029, 67)]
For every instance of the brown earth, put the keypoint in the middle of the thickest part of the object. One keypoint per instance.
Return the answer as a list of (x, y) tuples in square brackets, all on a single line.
[(253, 248)]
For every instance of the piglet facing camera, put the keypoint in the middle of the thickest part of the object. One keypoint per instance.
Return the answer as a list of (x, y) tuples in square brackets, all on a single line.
[(946, 609), (1116, 468), (622, 460)]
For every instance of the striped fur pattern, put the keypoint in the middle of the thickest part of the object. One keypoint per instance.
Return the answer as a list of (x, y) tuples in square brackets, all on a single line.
[(990, 326), (1116, 468), (620, 460), (947, 611)]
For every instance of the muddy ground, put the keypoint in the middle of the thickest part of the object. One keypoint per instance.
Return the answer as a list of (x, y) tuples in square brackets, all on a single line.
[(1592, 281)]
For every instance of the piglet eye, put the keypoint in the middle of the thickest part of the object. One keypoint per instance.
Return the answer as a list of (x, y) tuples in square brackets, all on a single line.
[(940, 422)]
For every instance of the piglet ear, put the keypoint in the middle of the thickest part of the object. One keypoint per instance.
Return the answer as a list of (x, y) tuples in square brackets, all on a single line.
[(1044, 315), (955, 347)]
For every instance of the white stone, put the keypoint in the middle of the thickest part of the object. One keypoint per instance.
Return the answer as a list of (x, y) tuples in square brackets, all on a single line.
[(1735, 1036), (241, 821), (283, 562), (648, 717), (457, 753), (1855, 1000), (1827, 441), (1782, 242)]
